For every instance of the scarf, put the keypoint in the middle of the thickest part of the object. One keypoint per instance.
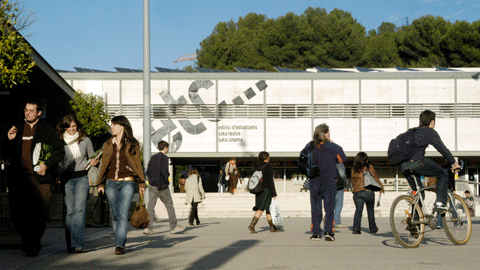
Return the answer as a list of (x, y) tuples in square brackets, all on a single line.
[(72, 150)]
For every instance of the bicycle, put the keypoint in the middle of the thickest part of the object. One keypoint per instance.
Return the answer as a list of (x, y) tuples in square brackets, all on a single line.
[(409, 216)]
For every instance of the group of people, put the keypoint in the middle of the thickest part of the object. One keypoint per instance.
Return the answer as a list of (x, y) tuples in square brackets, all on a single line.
[(34, 148), (229, 178)]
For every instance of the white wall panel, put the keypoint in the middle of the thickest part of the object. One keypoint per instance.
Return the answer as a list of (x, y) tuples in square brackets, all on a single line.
[(468, 134), (343, 132), (468, 91), (132, 92), (229, 90), (384, 91), (284, 135), (289, 92), (240, 135), (377, 133), (336, 91), (432, 91)]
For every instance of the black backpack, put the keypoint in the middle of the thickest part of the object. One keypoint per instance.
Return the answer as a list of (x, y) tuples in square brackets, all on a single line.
[(255, 183), (402, 148), (307, 162)]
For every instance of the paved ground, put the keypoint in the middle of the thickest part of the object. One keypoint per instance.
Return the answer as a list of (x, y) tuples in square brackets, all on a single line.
[(226, 244)]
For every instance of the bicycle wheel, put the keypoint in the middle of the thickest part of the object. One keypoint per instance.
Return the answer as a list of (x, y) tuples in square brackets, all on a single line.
[(402, 213), (457, 221)]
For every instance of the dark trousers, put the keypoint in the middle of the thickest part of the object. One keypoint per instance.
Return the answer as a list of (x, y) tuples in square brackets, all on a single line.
[(322, 190), (29, 201), (428, 168), (361, 198), (194, 213)]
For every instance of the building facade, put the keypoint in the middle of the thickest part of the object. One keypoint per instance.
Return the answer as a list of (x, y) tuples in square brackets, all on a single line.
[(209, 117)]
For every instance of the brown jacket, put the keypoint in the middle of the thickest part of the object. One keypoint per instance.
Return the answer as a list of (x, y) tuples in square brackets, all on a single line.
[(357, 179), (133, 161)]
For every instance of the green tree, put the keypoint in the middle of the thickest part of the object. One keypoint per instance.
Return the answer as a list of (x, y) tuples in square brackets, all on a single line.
[(381, 50), (461, 45), (15, 62), (90, 110)]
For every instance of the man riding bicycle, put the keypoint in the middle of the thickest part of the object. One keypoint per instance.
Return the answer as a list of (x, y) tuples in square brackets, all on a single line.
[(420, 165)]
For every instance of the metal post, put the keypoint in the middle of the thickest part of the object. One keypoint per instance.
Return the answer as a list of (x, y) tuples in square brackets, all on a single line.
[(146, 85)]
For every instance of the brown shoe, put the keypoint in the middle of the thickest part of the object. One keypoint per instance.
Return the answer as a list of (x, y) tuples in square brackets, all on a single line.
[(119, 251)]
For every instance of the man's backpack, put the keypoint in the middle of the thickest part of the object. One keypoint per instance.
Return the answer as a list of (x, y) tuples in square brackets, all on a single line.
[(402, 148), (255, 183), (307, 162)]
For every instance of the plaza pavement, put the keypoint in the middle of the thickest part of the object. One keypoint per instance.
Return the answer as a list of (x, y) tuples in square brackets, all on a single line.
[(226, 244)]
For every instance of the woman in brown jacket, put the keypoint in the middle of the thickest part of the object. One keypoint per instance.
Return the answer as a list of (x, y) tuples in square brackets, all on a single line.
[(121, 169), (361, 195)]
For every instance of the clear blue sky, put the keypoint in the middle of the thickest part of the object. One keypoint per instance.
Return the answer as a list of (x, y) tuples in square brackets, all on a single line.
[(103, 34)]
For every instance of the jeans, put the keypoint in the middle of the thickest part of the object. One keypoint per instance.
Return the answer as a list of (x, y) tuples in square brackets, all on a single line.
[(221, 188), (360, 198), (427, 168), (322, 190), (152, 194), (338, 206), (76, 192), (120, 195)]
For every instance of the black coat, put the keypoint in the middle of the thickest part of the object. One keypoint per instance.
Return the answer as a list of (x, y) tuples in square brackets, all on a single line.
[(44, 133)]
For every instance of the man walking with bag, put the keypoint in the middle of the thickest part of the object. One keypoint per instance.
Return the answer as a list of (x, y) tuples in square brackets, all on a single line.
[(157, 173)]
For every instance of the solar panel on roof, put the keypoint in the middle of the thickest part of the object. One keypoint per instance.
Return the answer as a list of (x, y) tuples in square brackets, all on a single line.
[(288, 70), (444, 69), (169, 70), (405, 69), (64, 71), (321, 69), (128, 70), (209, 70), (362, 69), (90, 70), (239, 69)]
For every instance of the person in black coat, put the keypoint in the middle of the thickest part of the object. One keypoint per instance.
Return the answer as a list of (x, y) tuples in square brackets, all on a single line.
[(264, 199)]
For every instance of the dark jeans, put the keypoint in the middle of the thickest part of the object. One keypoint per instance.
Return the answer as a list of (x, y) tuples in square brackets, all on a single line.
[(322, 190), (412, 169), (360, 198), (29, 201), (194, 213)]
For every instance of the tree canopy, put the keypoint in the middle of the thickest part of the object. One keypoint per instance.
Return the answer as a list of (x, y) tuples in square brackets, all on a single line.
[(15, 62), (337, 40), (91, 111)]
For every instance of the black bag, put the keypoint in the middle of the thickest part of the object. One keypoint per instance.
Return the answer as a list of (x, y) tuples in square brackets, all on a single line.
[(101, 211), (402, 148), (255, 183), (140, 218), (369, 182), (307, 162)]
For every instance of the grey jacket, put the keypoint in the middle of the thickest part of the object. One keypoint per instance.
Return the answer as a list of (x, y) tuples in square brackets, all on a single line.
[(194, 189)]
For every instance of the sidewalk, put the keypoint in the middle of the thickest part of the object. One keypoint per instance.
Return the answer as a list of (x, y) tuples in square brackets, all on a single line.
[(226, 244)]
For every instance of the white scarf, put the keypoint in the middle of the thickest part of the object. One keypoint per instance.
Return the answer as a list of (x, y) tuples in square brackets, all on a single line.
[(72, 150)]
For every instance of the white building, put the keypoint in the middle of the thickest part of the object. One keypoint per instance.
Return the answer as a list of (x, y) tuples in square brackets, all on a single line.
[(208, 117)]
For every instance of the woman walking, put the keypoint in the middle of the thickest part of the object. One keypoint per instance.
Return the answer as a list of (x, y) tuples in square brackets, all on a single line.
[(74, 179), (264, 199), (231, 176), (195, 194), (361, 195), (121, 168)]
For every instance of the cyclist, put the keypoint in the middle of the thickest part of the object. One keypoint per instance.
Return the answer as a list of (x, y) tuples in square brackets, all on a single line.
[(420, 165)]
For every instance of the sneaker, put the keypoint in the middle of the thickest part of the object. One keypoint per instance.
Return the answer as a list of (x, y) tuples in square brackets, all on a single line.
[(148, 231), (356, 232), (329, 236), (339, 226), (315, 237), (440, 207), (178, 229)]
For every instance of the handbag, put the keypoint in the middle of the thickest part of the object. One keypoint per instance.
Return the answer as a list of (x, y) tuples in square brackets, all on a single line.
[(140, 218), (369, 182)]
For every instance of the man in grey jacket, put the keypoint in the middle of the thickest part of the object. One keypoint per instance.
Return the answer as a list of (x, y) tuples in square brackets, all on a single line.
[(157, 174)]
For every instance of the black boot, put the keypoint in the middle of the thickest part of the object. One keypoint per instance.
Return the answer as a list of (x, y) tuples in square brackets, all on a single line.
[(251, 228), (272, 226)]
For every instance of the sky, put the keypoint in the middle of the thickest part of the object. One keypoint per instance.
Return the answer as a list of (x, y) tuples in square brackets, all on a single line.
[(103, 34)]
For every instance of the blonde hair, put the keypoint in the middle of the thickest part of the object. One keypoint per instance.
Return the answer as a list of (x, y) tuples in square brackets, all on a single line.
[(319, 136), (193, 171)]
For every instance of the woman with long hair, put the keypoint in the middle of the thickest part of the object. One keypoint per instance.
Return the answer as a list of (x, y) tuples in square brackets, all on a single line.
[(362, 196), (121, 168), (195, 194), (74, 179), (264, 199)]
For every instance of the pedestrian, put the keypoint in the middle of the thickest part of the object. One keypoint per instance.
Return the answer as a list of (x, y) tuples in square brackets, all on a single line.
[(30, 177), (323, 188), (121, 168), (339, 201), (362, 196), (264, 199), (221, 182), (181, 181), (195, 194), (74, 179), (230, 168), (158, 188)]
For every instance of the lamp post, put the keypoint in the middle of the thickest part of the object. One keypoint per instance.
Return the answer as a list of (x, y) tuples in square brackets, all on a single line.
[(146, 86)]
